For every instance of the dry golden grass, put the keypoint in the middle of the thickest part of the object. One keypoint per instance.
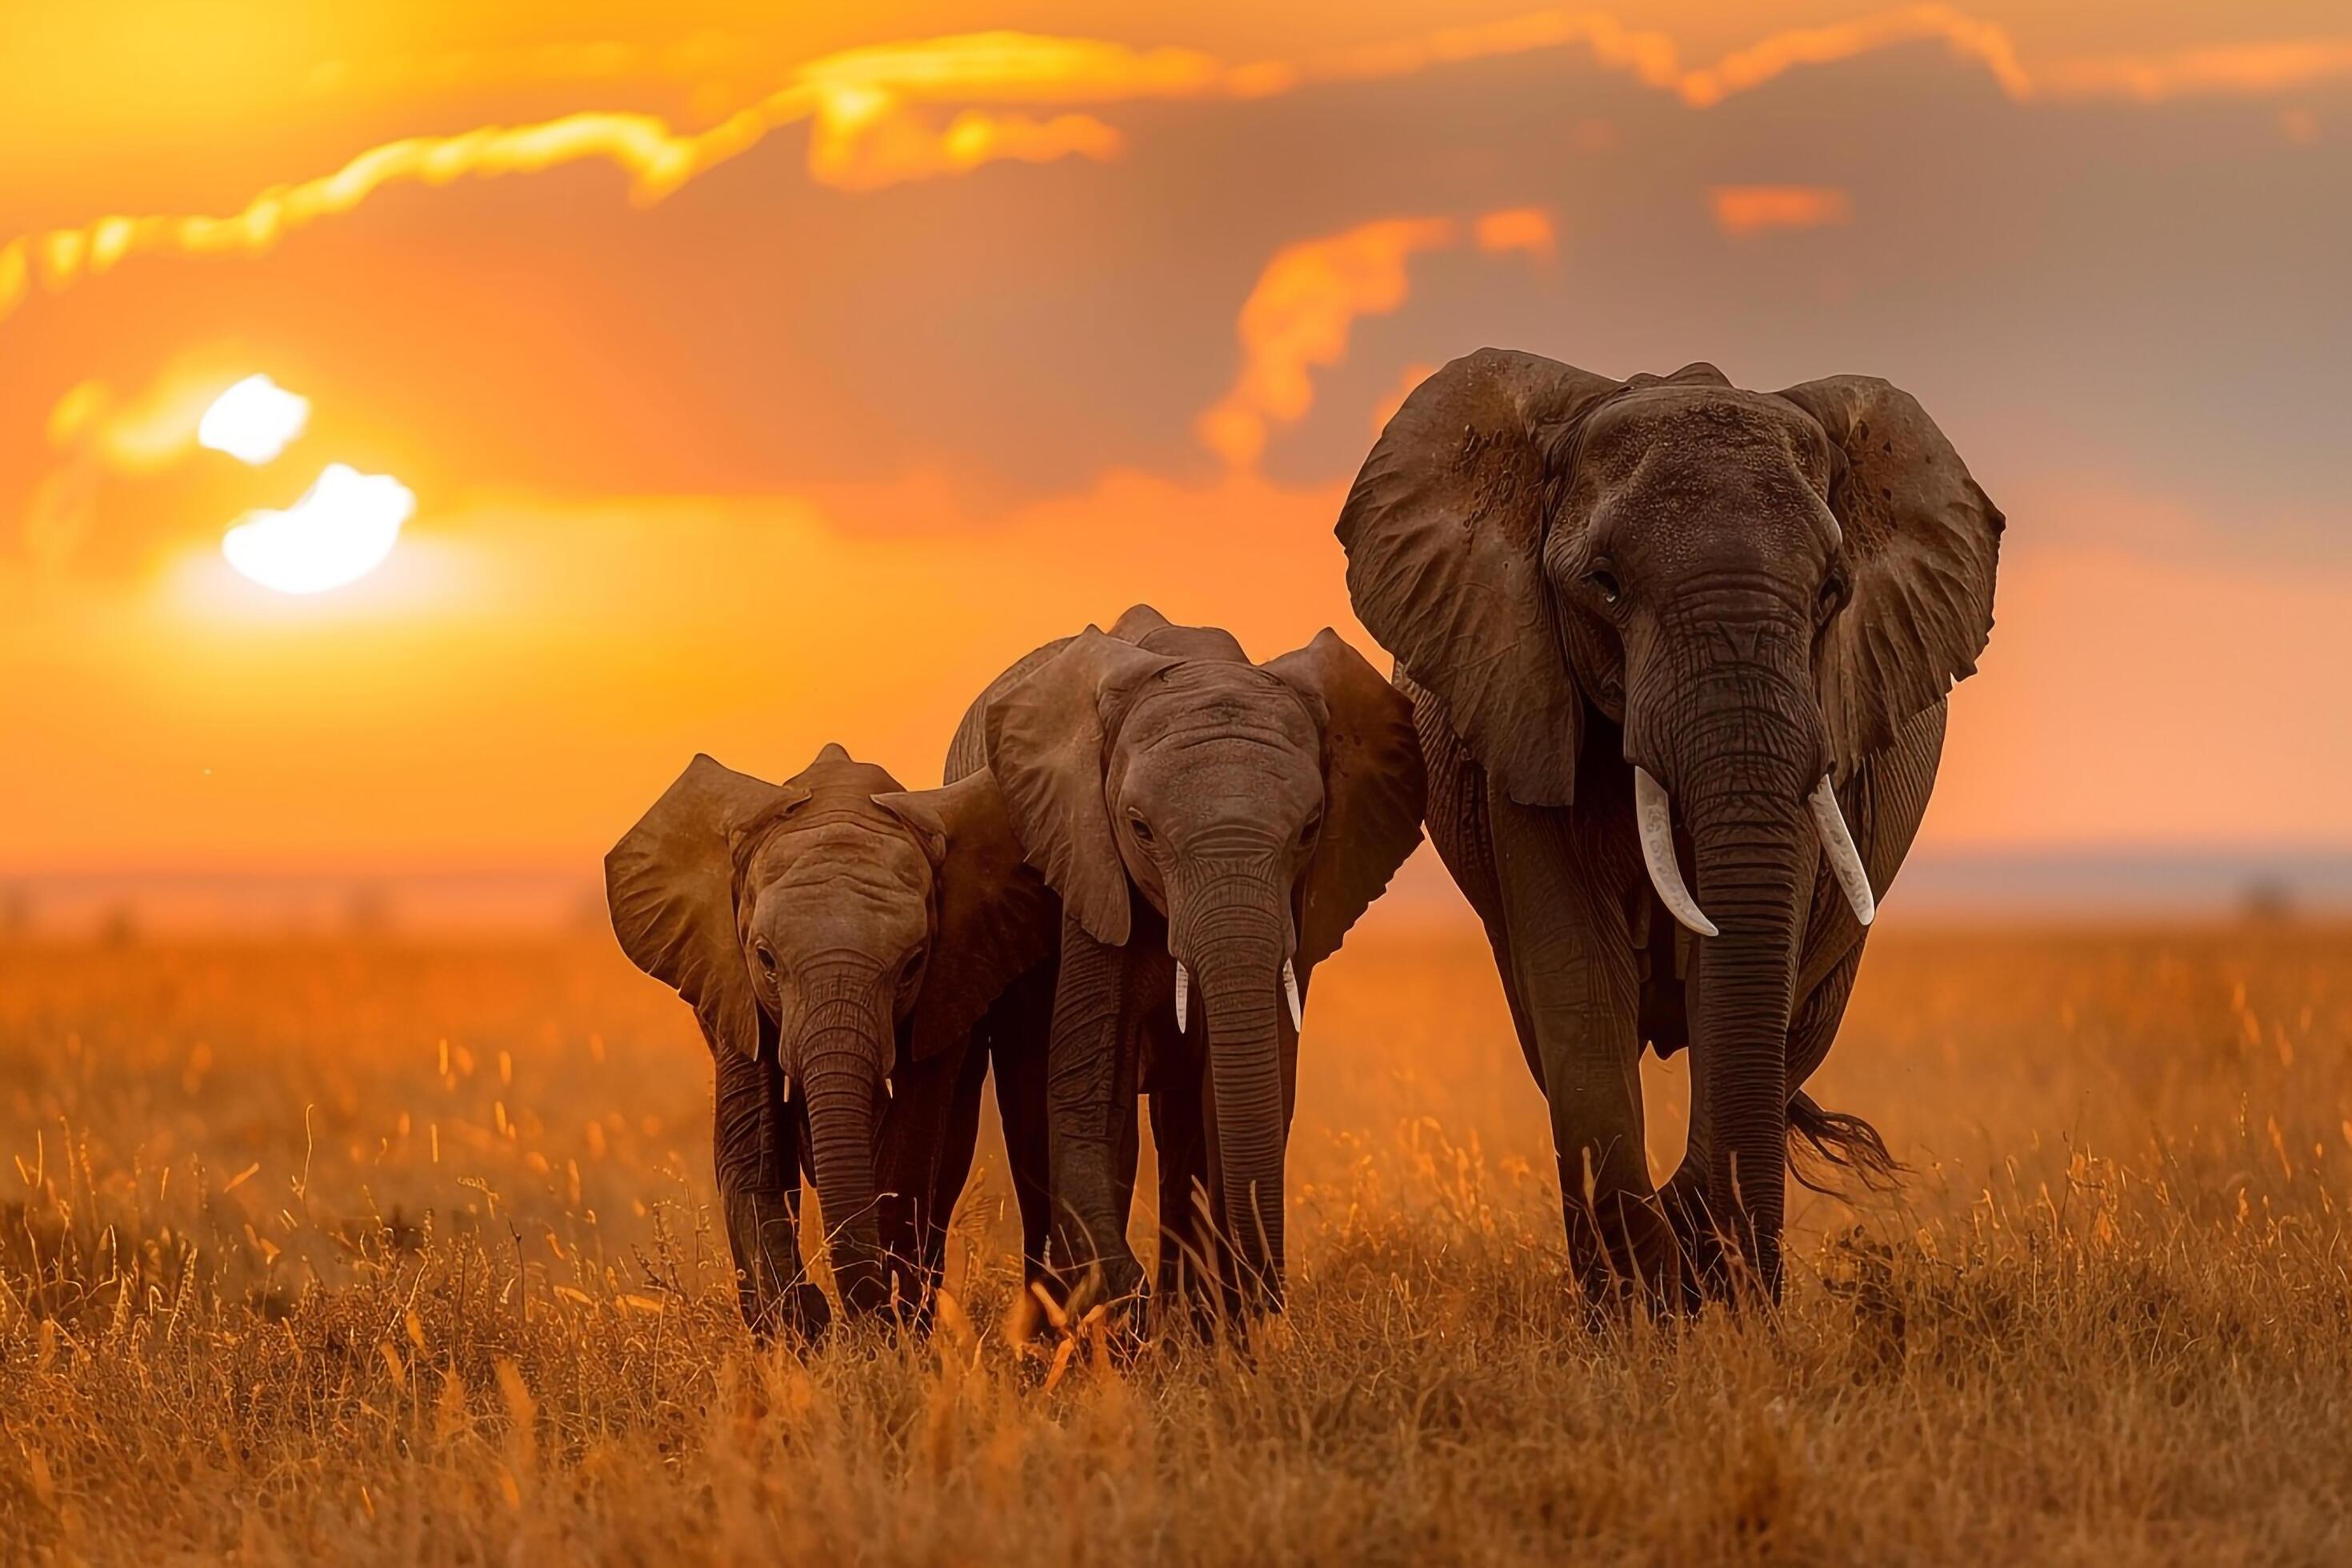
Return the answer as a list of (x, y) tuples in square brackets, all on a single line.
[(387, 1253)]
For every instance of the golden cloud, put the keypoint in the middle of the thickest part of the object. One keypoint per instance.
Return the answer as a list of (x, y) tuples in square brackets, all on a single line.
[(1652, 59), (1298, 316), (1518, 229), (864, 133), (1647, 57), (2251, 71), (1969, 37), (1744, 210), (866, 106)]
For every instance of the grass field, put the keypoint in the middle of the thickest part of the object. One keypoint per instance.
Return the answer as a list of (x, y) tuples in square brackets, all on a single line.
[(398, 1253)]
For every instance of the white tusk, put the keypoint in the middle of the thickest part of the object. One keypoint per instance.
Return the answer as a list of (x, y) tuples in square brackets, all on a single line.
[(1183, 995), (788, 1088), (1291, 989), (1837, 843), (1654, 815)]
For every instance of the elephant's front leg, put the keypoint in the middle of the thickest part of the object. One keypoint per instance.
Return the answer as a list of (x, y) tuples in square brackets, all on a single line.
[(1574, 979), (754, 1143), (926, 1146), (1090, 1108)]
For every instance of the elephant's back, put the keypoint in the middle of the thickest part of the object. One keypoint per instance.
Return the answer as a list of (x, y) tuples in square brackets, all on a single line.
[(967, 752)]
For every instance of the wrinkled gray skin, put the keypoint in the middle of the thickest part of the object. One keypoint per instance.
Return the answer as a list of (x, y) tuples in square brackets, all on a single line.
[(1738, 592), (1190, 807), (838, 938)]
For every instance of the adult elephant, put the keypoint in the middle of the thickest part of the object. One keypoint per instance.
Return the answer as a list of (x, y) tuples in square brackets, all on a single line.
[(840, 940), (1664, 618), (1212, 827)]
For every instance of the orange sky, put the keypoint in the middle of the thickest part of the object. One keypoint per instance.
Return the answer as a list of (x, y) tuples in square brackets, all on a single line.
[(766, 383)]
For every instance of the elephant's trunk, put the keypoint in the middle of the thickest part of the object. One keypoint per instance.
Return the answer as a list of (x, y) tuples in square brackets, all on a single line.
[(1245, 924), (1739, 743), (837, 1055)]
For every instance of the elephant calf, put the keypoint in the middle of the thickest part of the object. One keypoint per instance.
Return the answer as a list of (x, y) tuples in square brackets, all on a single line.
[(840, 939), (1212, 827)]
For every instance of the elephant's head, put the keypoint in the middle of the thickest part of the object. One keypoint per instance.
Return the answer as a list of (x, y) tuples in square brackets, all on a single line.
[(831, 923), (1756, 589), (1259, 808)]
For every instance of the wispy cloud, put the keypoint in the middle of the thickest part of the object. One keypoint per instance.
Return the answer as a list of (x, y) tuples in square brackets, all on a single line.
[(1970, 37), (2247, 70), (1518, 229), (861, 106), (1744, 210), (1298, 317), (871, 111), (1653, 59)]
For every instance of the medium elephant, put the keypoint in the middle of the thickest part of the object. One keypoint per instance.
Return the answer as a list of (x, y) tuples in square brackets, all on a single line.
[(839, 939), (1212, 827), (1663, 618)]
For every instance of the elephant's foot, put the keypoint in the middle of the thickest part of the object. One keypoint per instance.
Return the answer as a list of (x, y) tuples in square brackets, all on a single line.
[(914, 1292), (1627, 1255), (797, 1315), (1191, 1296), (1115, 1279), (1716, 1271), (1683, 1197)]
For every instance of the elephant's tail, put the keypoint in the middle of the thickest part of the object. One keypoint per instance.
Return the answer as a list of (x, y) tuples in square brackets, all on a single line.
[(1824, 1145)]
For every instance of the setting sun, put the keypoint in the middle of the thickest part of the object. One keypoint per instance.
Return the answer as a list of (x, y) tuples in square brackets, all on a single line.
[(254, 420), (340, 531)]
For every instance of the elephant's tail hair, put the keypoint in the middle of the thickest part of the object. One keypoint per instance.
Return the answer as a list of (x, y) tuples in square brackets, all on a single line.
[(1825, 1144)]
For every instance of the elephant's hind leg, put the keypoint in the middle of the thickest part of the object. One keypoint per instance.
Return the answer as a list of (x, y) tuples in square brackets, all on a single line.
[(1462, 835), (1818, 1138), (953, 1133), (1014, 1031), (1191, 1249)]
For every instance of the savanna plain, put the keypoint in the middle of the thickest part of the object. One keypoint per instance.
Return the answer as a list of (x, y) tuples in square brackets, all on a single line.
[(373, 1249)]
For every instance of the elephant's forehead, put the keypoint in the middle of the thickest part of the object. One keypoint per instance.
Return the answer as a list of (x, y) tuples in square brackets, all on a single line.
[(1200, 698), (1678, 426), (844, 852)]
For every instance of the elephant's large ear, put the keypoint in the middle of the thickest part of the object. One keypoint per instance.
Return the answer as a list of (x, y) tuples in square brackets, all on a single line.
[(1373, 789), (996, 919), (670, 884), (1444, 531), (1048, 737), (1924, 542)]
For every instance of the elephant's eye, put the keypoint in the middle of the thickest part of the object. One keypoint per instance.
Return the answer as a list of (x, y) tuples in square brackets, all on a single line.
[(767, 959), (1834, 594), (1603, 580), (1307, 833), (1140, 828)]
